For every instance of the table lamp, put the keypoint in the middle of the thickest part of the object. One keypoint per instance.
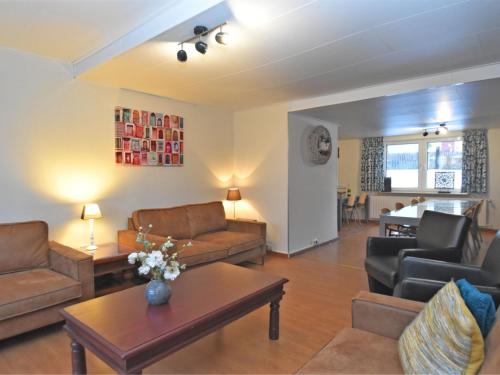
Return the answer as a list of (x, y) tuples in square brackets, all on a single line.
[(233, 195), (91, 212)]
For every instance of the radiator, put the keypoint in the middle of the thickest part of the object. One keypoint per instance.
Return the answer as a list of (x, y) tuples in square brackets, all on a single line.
[(377, 202)]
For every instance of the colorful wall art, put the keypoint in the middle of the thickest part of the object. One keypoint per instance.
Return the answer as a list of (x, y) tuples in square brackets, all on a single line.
[(148, 138)]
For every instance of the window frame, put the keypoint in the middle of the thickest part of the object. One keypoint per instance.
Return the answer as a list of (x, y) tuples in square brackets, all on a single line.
[(422, 161)]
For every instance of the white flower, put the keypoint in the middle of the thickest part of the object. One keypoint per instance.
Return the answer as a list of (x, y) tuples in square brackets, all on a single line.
[(142, 254), (143, 270), (132, 258), (171, 273)]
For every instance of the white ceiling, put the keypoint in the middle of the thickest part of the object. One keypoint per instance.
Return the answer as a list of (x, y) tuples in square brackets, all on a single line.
[(70, 29), (283, 49), (468, 105), (290, 49)]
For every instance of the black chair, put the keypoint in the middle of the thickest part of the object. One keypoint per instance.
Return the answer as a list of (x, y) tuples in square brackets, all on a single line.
[(422, 278), (439, 236)]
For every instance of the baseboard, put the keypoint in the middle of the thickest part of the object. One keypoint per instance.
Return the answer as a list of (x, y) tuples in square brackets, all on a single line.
[(298, 252)]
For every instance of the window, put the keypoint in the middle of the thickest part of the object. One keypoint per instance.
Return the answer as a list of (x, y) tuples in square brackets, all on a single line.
[(402, 165), (425, 165)]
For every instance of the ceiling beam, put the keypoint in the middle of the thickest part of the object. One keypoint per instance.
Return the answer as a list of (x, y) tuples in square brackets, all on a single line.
[(170, 17), (475, 73)]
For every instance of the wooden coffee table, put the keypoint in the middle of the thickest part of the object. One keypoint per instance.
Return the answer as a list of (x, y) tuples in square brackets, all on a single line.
[(127, 334)]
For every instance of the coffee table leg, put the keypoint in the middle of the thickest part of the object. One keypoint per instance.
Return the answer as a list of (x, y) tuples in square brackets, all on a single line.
[(78, 358), (274, 320)]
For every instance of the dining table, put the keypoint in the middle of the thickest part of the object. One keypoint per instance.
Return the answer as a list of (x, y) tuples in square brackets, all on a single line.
[(411, 215)]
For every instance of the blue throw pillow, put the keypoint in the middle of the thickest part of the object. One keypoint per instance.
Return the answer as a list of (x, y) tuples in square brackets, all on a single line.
[(481, 305)]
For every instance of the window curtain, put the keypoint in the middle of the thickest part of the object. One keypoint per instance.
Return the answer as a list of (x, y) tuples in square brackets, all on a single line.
[(475, 161), (372, 164)]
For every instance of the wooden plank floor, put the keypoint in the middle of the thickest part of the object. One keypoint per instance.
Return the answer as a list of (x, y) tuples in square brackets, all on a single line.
[(316, 306)]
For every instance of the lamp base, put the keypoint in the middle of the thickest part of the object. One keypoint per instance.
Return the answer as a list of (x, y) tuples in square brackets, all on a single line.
[(91, 248)]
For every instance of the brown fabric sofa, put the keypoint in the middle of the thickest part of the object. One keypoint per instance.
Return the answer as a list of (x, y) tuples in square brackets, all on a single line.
[(371, 345), (213, 237), (38, 277)]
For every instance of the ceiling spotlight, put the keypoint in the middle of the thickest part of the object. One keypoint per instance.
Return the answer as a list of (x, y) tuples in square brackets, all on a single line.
[(436, 132), (201, 47), (425, 133), (200, 30), (221, 37), (181, 54)]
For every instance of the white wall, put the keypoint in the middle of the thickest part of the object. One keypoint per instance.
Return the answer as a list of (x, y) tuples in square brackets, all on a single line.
[(349, 164), (57, 151), (261, 169), (312, 188)]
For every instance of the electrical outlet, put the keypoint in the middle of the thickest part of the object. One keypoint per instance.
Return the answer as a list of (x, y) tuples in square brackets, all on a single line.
[(315, 241)]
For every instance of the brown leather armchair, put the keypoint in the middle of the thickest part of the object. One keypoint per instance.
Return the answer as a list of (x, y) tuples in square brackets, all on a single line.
[(38, 277), (439, 236)]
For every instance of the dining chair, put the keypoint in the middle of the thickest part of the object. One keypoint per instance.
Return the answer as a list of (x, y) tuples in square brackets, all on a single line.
[(350, 208), (399, 206), (421, 199), (362, 204), (475, 238), (414, 201), (391, 230)]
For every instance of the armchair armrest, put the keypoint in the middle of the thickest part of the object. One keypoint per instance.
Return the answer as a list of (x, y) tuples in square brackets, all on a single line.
[(247, 226), (449, 254), (424, 289), (383, 315), (388, 246), (75, 264), (438, 270)]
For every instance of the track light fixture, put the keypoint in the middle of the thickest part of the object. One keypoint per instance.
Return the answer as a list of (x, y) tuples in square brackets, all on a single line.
[(221, 37), (441, 129), (201, 31), (181, 54)]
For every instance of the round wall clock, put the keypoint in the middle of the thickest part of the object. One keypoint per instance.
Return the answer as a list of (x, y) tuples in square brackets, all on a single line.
[(320, 145)]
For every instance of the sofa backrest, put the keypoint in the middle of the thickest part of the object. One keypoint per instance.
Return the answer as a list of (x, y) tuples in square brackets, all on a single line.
[(491, 262), (24, 246), (491, 364), (206, 217), (166, 221), (438, 230)]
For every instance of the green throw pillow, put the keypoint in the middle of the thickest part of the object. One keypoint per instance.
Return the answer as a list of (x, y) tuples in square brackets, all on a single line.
[(444, 338)]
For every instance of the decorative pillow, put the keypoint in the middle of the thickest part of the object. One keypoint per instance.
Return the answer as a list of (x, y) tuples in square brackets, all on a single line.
[(444, 338), (481, 305)]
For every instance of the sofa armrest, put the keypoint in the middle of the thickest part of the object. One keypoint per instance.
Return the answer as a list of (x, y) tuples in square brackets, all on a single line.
[(247, 226), (388, 245), (75, 264), (128, 238), (383, 315)]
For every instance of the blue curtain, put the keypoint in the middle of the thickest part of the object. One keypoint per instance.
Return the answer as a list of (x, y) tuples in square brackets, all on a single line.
[(372, 164), (475, 161)]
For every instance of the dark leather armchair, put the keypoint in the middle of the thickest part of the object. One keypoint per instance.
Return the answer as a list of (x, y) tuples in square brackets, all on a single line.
[(439, 236), (422, 278)]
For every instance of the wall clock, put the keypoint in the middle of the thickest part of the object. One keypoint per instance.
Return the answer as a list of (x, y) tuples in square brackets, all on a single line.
[(319, 145)]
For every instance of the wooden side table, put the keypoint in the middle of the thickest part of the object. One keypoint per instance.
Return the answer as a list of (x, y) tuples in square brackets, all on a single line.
[(112, 271)]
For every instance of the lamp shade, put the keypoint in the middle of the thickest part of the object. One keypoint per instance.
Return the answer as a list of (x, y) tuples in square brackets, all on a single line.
[(233, 194), (91, 211)]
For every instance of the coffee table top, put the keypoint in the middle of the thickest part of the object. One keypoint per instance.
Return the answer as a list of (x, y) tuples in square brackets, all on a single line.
[(126, 321)]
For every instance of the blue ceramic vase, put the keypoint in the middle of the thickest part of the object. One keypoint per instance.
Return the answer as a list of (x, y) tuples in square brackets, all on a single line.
[(157, 292)]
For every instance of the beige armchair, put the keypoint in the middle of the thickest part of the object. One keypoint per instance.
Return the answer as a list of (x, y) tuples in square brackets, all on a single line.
[(38, 277)]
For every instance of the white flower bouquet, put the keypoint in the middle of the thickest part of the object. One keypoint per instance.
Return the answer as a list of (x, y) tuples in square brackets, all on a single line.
[(156, 264)]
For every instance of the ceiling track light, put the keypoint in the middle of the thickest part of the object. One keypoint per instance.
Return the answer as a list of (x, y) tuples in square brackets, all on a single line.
[(442, 129), (200, 31)]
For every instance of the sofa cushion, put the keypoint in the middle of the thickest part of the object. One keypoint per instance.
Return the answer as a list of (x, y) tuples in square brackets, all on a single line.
[(23, 246), (199, 252), (28, 291), (166, 221), (356, 352), (383, 268), (206, 217), (491, 364), (234, 242)]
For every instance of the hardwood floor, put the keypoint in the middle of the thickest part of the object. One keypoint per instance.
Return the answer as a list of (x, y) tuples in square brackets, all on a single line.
[(316, 306)]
